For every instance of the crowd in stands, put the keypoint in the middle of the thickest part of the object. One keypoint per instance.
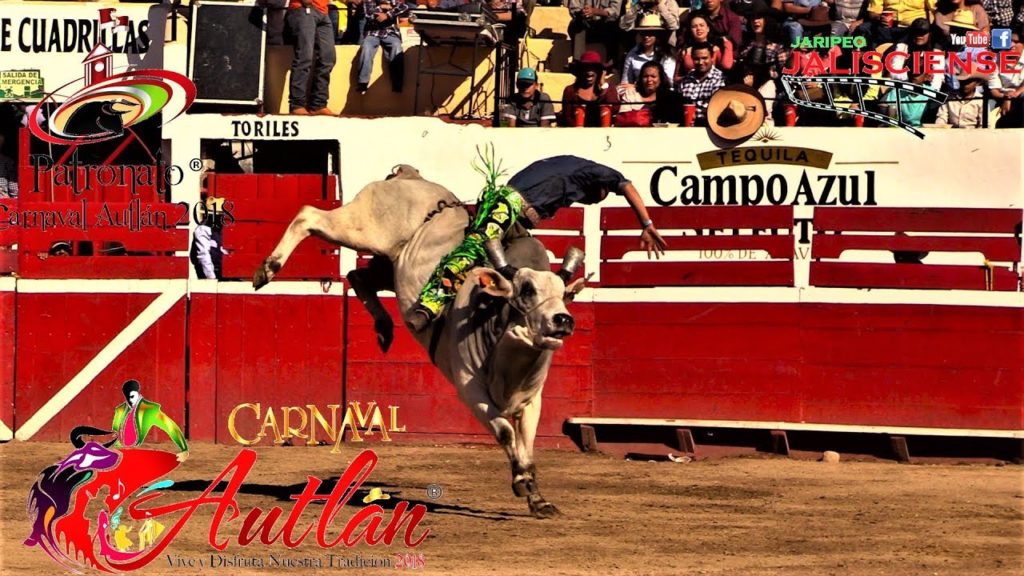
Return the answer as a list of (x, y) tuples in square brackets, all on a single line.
[(681, 55), (660, 61)]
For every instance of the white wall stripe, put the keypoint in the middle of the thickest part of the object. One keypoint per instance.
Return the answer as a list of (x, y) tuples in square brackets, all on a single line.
[(728, 295), (100, 286), (5, 432), (275, 288), (111, 351), (7, 283)]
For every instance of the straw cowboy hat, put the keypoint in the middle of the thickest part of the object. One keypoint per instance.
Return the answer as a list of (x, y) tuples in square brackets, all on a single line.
[(963, 19), (650, 23), (375, 494), (735, 113)]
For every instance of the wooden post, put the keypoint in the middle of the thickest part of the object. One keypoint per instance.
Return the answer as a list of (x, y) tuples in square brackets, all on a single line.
[(588, 438), (685, 443), (780, 443), (899, 449)]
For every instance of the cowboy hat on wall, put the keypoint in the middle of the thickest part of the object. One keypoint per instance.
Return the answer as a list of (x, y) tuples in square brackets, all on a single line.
[(735, 113)]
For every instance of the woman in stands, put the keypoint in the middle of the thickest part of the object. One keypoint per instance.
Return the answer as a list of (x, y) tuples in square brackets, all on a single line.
[(650, 100), (698, 31), (589, 101), (651, 46), (762, 47)]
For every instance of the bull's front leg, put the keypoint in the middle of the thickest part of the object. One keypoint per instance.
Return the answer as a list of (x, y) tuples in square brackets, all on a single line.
[(479, 401), (367, 282), (306, 222), (524, 481)]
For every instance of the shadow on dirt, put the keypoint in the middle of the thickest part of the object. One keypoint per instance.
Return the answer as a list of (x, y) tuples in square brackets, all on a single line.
[(285, 494)]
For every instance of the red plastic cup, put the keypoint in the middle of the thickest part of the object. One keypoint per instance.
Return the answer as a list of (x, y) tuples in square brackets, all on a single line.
[(790, 110), (606, 116), (858, 121), (689, 114), (581, 117)]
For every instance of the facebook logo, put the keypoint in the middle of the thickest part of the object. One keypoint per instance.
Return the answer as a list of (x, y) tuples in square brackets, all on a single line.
[(1000, 38)]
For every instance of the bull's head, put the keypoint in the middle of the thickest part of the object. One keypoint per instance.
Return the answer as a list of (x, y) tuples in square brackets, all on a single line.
[(539, 297)]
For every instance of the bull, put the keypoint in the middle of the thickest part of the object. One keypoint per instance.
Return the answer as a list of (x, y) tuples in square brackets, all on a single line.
[(495, 342)]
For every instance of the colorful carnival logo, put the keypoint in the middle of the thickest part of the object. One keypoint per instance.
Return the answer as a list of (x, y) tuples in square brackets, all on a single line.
[(103, 506), (108, 104)]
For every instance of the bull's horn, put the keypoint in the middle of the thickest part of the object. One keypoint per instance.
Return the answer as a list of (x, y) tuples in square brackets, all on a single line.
[(496, 254), (571, 263)]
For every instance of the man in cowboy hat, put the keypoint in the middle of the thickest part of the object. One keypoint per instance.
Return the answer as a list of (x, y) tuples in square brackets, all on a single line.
[(735, 113), (965, 110), (962, 18)]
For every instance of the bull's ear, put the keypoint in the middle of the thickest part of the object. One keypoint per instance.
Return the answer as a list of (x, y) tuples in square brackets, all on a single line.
[(493, 283), (574, 288)]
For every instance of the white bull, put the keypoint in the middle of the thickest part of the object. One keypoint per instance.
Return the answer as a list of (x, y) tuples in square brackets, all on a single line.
[(494, 343)]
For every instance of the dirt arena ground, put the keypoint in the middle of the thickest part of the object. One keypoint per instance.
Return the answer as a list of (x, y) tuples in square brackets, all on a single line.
[(746, 515)]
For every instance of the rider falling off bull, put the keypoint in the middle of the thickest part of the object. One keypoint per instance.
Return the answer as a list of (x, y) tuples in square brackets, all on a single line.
[(530, 196)]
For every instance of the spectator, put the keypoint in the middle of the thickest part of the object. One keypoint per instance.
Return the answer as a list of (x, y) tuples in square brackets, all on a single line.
[(698, 33), (8, 173), (355, 23), (382, 30), (314, 35), (880, 28), (911, 107), (594, 21), (665, 15), (651, 46), (965, 110), (762, 46), (650, 101), (528, 107), (1009, 87), (816, 20), (588, 101), (1000, 13), (724, 21), (848, 16), (207, 253), (699, 84), (919, 39), (955, 13), (759, 78)]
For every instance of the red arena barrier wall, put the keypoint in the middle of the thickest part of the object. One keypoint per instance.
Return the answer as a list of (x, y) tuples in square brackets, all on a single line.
[(283, 347), (79, 341)]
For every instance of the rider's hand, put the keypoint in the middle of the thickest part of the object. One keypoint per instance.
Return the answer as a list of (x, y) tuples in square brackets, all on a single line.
[(651, 241)]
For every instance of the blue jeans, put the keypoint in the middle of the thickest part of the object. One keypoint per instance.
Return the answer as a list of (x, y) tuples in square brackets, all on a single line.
[(393, 55), (311, 31)]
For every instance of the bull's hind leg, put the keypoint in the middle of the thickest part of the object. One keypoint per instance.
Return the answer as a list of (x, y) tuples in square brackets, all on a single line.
[(525, 482), (340, 226)]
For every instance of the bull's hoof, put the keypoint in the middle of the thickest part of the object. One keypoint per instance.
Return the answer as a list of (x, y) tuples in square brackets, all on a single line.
[(385, 329), (544, 510), (260, 278)]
